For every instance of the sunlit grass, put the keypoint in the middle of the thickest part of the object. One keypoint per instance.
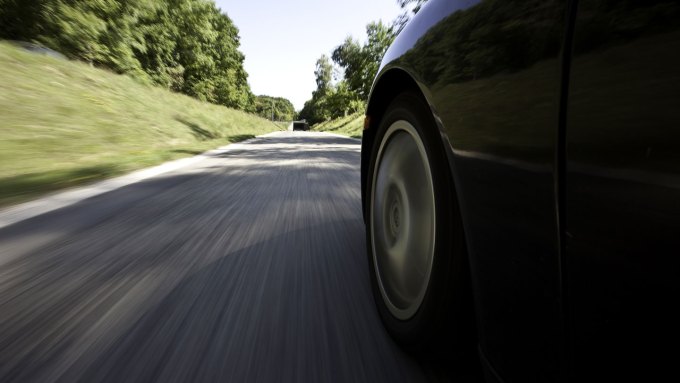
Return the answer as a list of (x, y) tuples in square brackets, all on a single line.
[(351, 125), (64, 123), (282, 125)]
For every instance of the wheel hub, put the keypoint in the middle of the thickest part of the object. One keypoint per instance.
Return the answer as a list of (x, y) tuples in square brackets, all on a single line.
[(393, 214)]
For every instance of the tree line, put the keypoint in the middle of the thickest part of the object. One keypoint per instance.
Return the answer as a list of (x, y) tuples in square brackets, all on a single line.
[(274, 108), (188, 46), (344, 79)]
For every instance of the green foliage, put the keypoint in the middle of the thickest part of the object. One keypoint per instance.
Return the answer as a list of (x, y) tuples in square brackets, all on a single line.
[(361, 62), (324, 74), (359, 65), (338, 101), (316, 109), (281, 108), (343, 101), (19, 19), (187, 46), (351, 125)]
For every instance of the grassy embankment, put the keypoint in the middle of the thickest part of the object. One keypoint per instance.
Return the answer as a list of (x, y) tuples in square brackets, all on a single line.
[(282, 125), (64, 123), (351, 125)]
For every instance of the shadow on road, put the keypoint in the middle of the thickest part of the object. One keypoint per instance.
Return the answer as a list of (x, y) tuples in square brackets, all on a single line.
[(250, 266)]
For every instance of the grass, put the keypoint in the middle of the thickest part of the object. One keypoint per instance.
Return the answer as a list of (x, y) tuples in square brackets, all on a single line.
[(282, 125), (351, 125), (65, 123)]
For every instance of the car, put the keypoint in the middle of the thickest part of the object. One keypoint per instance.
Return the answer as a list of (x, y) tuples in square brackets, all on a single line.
[(300, 125), (520, 175)]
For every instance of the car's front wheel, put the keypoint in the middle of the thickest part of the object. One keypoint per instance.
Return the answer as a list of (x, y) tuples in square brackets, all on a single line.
[(414, 236)]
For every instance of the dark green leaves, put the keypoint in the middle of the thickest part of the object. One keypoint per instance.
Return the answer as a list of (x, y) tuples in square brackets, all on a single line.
[(188, 46), (359, 64), (279, 108)]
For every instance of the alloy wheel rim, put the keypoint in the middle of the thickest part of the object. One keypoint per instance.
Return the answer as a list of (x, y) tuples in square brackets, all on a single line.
[(402, 220)]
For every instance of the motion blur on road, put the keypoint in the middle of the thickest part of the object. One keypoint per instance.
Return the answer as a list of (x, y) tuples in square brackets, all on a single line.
[(247, 266)]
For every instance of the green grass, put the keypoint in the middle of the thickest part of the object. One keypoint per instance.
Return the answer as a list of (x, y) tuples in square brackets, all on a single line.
[(64, 123), (282, 125), (351, 125)]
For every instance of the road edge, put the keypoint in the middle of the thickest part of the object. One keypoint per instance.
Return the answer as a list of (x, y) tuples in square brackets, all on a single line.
[(64, 198)]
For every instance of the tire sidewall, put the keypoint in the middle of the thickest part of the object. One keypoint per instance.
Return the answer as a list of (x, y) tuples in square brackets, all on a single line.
[(425, 325)]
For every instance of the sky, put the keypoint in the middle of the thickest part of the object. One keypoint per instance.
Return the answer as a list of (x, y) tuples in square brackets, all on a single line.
[(282, 39)]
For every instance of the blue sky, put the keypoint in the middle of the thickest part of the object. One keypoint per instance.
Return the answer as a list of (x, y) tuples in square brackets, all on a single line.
[(282, 39)]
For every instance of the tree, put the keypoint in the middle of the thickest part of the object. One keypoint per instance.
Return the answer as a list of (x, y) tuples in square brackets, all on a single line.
[(101, 32), (20, 19), (281, 108), (361, 62), (342, 101), (324, 75), (159, 57), (351, 58), (317, 109), (188, 46)]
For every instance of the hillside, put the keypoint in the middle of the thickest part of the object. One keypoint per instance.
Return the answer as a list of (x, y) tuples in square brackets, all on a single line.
[(65, 123), (351, 125)]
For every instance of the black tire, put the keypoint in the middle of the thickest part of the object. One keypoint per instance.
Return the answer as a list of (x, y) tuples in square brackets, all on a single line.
[(443, 320)]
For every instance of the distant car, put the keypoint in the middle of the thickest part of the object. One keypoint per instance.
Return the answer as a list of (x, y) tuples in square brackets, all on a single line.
[(300, 125), (521, 187)]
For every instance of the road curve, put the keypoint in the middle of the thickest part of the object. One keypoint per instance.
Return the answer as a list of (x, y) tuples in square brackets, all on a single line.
[(249, 266)]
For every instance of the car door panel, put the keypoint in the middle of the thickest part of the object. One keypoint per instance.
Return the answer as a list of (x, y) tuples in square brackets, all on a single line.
[(623, 177)]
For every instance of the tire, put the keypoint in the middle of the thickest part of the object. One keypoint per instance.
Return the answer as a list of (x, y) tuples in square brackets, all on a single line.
[(416, 248)]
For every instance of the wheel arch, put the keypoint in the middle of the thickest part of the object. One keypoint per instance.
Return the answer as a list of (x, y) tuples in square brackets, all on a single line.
[(388, 85)]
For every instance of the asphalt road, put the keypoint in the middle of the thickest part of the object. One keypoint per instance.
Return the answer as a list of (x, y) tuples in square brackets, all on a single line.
[(247, 266)]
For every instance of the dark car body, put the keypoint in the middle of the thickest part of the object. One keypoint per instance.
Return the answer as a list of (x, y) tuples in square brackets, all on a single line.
[(300, 125), (561, 120)]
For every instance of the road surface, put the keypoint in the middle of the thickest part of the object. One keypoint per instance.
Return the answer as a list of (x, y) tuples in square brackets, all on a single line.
[(247, 266)]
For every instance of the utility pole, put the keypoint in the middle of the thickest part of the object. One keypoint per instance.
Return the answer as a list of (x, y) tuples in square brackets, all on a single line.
[(272, 110)]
